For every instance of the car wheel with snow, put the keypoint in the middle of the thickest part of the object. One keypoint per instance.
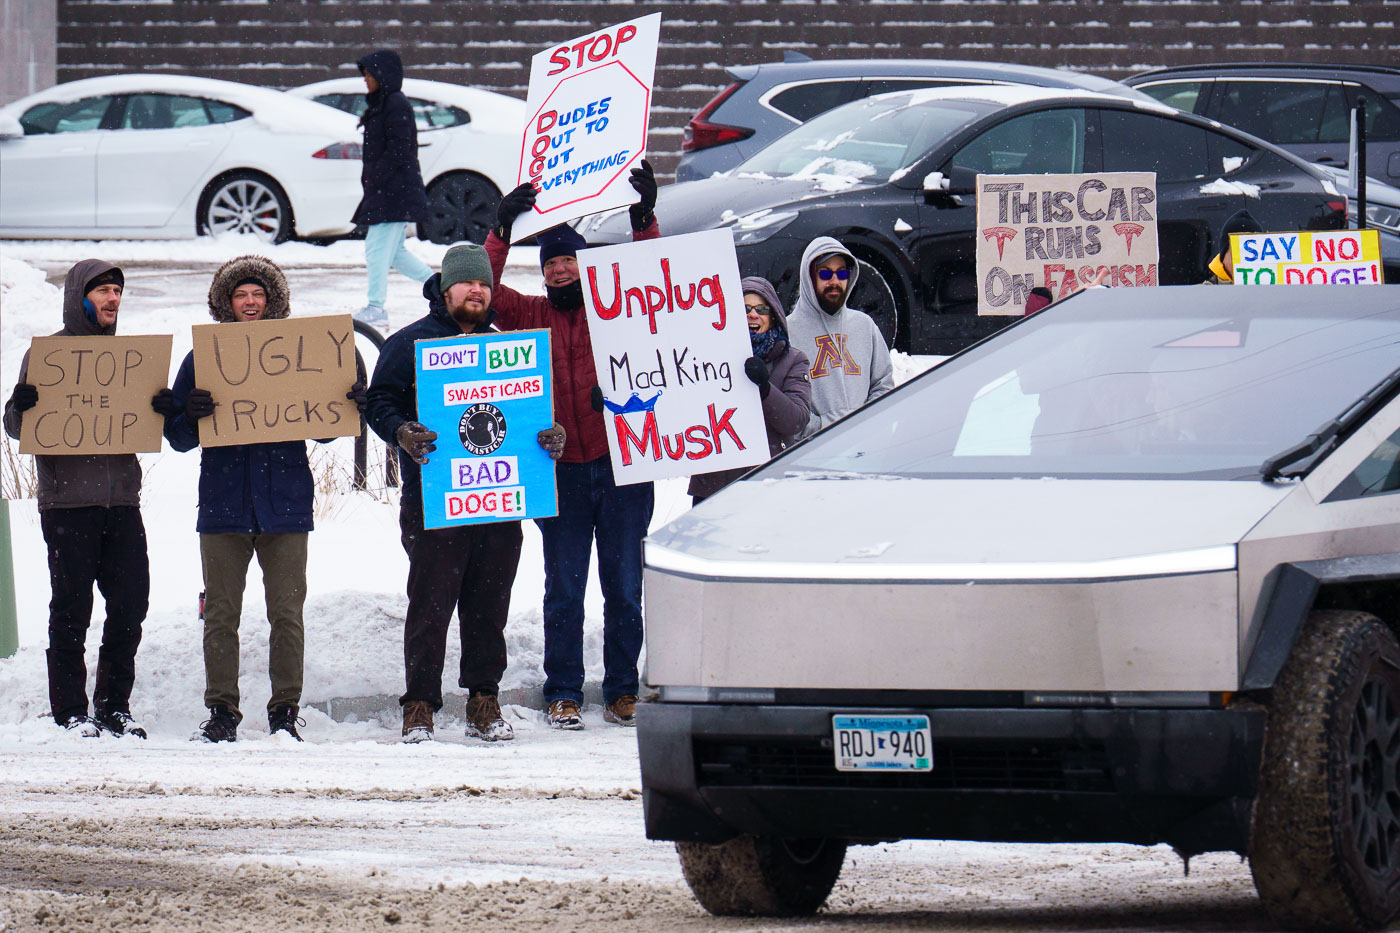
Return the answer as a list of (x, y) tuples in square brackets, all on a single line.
[(762, 875), (246, 202), (461, 207), (1325, 838), (875, 297)]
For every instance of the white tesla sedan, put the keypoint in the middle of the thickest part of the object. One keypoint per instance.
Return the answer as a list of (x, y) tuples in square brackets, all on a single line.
[(167, 156), (469, 151)]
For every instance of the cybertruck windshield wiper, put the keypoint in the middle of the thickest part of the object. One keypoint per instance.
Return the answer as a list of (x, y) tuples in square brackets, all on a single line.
[(1302, 456)]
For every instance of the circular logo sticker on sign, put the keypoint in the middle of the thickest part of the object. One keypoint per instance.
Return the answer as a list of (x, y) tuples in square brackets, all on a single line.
[(482, 428)]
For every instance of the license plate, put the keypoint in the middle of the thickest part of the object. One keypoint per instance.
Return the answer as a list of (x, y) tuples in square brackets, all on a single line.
[(882, 743)]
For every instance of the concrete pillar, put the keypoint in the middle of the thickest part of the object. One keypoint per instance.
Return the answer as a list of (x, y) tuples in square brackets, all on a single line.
[(28, 47)]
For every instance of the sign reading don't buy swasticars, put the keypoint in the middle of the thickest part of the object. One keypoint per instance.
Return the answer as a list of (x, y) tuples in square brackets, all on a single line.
[(277, 380)]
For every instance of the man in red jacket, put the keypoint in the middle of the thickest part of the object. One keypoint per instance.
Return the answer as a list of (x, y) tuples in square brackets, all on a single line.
[(591, 506)]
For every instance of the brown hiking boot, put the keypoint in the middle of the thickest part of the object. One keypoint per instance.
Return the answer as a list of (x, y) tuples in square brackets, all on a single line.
[(484, 719), (417, 721), (564, 714), (622, 711)]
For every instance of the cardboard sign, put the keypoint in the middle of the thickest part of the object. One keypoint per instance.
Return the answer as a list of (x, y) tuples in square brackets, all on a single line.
[(277, 380), (487, 396), (1060, 232), (1308, 257), (670, 337), (587, 114), (95, 395)]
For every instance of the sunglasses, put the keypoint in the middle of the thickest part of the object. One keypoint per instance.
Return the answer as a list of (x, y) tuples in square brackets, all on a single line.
[(825, 274), (760, 309)]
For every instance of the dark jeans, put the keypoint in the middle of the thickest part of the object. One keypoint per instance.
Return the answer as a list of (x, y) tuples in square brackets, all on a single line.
[(106, 546), (592, 507), (470, 568)]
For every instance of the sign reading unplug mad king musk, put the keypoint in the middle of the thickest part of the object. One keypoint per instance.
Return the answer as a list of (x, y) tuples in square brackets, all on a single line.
[(1308, 257), (487, 396), (588, 109), (670, 337), (1062, 232)]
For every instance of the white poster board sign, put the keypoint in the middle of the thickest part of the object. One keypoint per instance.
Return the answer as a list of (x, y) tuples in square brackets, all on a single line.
[(1062, 232), (587, 114), (670, 337)]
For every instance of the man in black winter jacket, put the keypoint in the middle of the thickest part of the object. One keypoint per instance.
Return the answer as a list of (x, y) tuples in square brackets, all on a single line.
[(468, 567)]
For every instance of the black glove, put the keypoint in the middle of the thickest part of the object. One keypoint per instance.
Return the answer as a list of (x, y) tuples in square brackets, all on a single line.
[(164, 403), (199, 404), (757, 371), (552, 440), (359, 395), (24, 397), (415, 440), (595, 398), (512, 206), (644, 181)]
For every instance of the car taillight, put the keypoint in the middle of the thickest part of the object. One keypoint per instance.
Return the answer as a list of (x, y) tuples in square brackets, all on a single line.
[(1339, 205), (700, 133), (338, 151)]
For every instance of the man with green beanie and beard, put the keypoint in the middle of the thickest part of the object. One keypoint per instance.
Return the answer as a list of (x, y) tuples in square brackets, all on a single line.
[(469, 568)]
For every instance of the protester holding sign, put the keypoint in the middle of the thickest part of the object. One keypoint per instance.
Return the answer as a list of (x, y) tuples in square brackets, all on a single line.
[(90, 514), (850, 361), (253, 499), (1222, 265), (467, 567), (591, 505), (780, 372)]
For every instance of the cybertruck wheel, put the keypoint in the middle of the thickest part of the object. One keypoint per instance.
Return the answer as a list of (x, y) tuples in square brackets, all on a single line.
[(762, 875), (1325, 839)]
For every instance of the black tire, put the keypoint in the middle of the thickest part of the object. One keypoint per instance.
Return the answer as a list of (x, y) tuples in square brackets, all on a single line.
[(874, 295), (461, 207), (1325, 838), (761, 875), (246, 202)]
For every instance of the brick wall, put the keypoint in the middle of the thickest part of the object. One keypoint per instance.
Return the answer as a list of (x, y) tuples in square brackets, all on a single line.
[(290, 42)]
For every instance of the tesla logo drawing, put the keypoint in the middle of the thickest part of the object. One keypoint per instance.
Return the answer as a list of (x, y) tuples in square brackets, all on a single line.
[(1002, 235), (831, 351), (482, 429), (1127, 232)]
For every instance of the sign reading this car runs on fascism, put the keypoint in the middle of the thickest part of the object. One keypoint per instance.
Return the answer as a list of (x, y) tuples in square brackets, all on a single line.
[(1063, 232), (670, 337), (1307, 257), (587, 113), (487, 396)]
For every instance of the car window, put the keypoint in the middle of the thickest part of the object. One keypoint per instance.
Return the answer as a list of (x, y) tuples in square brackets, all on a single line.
[(872, 86), (74, 116), (1145, 142), (1227, 154), (1378, 474), (1284, 112), (1382, 118), (163, 112), (1183, 95), (430, 115), (220, 112), (353, 104), (802, 102), (1051, 141)]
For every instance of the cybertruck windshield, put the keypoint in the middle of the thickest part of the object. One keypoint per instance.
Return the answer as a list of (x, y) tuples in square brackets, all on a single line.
[(1187, 382)]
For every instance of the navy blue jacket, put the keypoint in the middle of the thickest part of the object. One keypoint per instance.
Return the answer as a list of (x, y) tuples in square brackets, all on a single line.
[(246, 488), (390, 176)]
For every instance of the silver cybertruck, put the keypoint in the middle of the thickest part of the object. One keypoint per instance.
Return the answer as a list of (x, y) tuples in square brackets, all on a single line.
[(1128, 571)]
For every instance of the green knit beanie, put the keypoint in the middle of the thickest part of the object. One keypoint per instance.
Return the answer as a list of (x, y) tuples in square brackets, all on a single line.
[(463, 262)]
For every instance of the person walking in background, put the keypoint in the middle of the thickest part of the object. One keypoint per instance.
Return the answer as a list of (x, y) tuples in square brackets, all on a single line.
[(780, 372), (850, 362), (392, 181), (90, 514), (253, 499)]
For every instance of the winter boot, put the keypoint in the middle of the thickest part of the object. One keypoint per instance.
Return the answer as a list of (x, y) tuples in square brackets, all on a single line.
[(622, 711), (484, 719), (417, 721), (375, 316), (82, 726), (564, 714), (221, 726), (284, 719), (119, 722)]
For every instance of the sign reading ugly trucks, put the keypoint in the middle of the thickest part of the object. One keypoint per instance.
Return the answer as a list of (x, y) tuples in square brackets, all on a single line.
[(1308, 257), (487, 396), (1061, 232), (670, 336), (588, 110)]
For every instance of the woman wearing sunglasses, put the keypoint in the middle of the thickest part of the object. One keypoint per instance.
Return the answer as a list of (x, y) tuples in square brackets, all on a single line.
[(780, 372)]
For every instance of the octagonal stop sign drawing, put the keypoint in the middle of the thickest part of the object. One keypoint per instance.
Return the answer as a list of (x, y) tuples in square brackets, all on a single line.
[(585, 134)]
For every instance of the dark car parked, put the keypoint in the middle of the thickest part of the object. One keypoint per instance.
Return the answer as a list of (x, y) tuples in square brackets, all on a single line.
[(867, 173), (765, 101)]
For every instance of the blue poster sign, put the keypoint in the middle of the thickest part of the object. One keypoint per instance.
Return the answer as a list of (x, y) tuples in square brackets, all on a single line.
[(487, 396)]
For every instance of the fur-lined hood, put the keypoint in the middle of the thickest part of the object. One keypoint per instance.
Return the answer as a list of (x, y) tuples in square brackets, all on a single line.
[(245, 267)]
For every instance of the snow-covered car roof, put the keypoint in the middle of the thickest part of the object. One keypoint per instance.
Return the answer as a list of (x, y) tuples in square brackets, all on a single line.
[(275, 110), (485, 106)]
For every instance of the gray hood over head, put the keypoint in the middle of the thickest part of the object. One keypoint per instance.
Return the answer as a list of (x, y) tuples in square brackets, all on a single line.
[(818, 249), (75, 322)]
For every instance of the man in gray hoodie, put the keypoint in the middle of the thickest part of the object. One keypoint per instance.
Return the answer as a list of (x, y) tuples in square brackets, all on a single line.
[(850, 363)]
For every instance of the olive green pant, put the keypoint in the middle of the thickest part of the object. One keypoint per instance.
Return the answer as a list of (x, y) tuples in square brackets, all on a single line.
[(282, 558)]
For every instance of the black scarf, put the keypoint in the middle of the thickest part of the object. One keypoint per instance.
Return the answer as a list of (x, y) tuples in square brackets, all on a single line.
[(566, 297)]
